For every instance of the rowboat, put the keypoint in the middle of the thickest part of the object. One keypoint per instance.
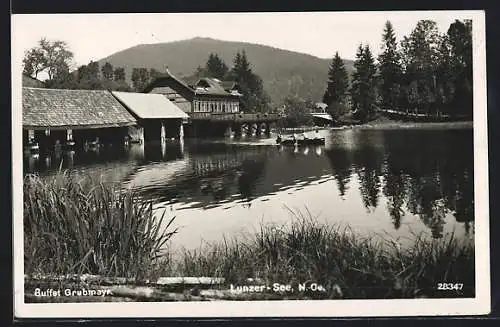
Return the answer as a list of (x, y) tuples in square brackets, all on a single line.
[(306, 141)]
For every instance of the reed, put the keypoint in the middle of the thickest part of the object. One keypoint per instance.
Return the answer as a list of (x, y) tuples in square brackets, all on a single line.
[(77, 224), (339, 259)]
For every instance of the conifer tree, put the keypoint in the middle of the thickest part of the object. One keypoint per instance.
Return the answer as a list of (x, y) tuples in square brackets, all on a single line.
[(215, 67), (460, 41), (337, 86), (363, 91), (254, 98), (390, 69)]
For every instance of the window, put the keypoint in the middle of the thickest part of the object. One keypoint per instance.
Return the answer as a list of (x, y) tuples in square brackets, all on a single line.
[(47, 132), (69, 134)]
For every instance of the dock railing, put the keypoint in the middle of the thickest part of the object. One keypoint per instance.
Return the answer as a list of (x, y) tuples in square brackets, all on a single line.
[(236, 117)]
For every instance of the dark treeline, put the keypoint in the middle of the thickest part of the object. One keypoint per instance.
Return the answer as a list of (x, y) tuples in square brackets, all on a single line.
[(426, 72)]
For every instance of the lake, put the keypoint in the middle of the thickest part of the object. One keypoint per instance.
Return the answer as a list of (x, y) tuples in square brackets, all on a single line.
[(394, 183)]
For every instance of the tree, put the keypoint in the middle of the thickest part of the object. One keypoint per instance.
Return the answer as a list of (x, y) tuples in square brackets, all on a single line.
[(215, 67), (63, 79), (153, 74), (297, 111), (34, 62), (50, 57), (254, 98), (420, 52), (390, 69), (363, 84), (444, 76), (337, 86), (119, 74), (107, 71), (460, 42), (88, 77), (140, 78)]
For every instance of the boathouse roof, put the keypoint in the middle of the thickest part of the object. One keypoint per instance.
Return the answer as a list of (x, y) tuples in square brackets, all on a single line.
[(76, 109), (150, 105)]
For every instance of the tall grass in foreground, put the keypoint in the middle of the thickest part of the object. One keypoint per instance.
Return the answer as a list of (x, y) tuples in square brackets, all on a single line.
[(308, 251), (75, 224)]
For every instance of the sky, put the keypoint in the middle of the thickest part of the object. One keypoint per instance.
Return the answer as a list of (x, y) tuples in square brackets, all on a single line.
[(321, 34)]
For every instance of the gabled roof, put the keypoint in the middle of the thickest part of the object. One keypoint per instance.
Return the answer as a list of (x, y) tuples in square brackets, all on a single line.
[(73, 109), (157, 82), (215, 86), (150, 105), (212, 86)]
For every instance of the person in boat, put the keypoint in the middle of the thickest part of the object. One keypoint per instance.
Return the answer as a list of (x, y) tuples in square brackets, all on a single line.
[(279, 139)]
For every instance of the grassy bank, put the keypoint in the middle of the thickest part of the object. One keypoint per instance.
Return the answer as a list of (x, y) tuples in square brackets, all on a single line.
[(72, 227), (338, 259)]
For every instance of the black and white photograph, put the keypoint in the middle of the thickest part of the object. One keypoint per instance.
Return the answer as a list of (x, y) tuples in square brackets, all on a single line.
[(250, 164)]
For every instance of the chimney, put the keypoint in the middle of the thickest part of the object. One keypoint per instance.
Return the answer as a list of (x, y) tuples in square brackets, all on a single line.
[(166, 69)]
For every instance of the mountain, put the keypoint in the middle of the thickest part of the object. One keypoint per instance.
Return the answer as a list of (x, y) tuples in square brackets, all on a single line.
[(284, 73)]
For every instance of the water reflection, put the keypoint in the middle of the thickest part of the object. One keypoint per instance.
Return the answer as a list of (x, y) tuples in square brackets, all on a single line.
[(372, 179), (426, 174)]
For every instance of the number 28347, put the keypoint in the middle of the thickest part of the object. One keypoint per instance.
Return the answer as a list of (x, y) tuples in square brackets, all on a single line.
[(450, 286)]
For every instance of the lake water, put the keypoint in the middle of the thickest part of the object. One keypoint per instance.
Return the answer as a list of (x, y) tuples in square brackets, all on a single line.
[(395, 183)]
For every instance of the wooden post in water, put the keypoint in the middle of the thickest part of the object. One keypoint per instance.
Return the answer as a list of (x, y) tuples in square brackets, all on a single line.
[(237, 130), (229, 131), (163, 133), (267, 129)]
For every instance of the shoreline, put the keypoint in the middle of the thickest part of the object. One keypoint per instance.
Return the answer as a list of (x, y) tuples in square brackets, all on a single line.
[(410, 125), (388, 125)]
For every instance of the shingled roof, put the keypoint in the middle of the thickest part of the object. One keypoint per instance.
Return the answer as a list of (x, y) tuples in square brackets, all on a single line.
[(77, 109), (214, 86), (192, 85)]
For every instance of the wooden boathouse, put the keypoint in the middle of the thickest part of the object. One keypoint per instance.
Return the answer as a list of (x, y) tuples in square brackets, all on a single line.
[(158, 118), (213, 106), (56, 118)]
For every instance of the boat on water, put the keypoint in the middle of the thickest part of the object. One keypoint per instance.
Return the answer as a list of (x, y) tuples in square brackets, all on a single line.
[(304, 141)]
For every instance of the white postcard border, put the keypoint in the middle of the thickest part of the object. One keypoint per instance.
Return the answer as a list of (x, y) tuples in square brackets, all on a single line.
[(299, 308)]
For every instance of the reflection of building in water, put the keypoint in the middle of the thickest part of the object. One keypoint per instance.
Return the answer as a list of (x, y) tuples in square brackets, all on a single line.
[(157, 174)]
